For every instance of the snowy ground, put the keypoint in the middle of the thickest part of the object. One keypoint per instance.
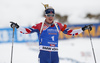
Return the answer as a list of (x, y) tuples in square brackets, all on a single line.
[(70, 51)]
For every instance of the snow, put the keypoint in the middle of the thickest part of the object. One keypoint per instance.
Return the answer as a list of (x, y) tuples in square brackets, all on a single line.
[(29, 12), (76, 50)]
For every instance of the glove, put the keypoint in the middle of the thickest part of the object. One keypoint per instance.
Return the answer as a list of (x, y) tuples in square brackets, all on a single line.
[(87, 27), (14, 25)]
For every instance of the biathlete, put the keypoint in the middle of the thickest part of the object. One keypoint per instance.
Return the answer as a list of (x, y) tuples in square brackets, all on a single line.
[(48, 35)]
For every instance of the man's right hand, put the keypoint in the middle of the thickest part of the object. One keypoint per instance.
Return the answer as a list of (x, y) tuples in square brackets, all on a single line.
[(14, 25)]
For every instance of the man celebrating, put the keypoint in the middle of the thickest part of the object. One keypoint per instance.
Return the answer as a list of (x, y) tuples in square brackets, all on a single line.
[(48, 35)]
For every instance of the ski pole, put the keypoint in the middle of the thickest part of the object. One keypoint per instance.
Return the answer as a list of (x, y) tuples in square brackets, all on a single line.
[(12, 44), (92, 46)]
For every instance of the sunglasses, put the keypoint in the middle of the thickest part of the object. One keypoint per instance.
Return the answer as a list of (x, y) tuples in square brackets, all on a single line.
[(50, 15)]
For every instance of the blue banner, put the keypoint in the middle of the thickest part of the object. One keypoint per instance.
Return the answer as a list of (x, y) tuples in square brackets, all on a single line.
[(6, 36)]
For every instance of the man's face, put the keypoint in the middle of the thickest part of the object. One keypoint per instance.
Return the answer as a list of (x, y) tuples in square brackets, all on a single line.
[(49, 18)]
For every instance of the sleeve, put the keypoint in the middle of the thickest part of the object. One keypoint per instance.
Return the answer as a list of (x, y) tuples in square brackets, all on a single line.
[(72, 32), (68, 31), (34, 28)]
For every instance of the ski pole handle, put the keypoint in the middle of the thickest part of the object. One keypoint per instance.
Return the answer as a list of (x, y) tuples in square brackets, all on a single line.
[(90, 25), (87, 27), (15, 25)]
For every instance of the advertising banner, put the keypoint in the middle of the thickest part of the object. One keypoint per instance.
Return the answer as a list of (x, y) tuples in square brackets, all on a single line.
[(94, 33), (6, 36)]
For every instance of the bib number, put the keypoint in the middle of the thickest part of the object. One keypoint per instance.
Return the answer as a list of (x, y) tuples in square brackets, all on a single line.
[(52, 38)]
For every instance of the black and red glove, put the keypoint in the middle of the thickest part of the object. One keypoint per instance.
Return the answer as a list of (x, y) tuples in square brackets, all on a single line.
[(14, 25)]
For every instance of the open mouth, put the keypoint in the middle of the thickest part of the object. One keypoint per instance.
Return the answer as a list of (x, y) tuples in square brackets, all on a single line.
[(50, 19)]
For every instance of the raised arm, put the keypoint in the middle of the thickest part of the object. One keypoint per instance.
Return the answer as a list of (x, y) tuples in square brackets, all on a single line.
[(68, 31), (34, 28)]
